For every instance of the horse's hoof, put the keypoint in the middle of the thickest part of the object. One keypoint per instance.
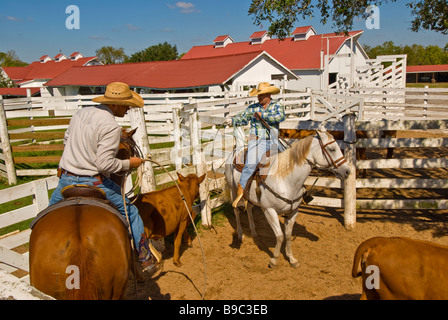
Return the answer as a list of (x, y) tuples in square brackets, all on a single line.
[(295, 265), (273, 265)]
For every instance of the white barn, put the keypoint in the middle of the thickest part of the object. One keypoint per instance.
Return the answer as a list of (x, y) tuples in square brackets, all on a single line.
[(316, 60)]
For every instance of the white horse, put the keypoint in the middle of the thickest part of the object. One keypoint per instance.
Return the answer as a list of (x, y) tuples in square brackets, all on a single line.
[(282, 191)]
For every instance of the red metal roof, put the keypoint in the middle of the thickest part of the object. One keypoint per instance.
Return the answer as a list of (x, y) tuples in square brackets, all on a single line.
[(174, 74), (221, 38), (47, 70), (258, 34), (292, 54), (19, 92), (427, 68), (301, 30)]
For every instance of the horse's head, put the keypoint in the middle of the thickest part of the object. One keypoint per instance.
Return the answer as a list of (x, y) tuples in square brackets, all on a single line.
[(326, 154), (127, 147)]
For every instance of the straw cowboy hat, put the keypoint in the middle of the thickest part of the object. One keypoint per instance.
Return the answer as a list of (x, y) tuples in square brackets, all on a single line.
[(120, 94), (264, 87)]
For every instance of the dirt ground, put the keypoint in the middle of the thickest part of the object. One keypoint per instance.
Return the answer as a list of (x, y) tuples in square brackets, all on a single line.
[(323, 246)]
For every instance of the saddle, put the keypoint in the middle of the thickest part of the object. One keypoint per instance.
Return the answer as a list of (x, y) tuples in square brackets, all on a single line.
[(239, 163), (80, 194)]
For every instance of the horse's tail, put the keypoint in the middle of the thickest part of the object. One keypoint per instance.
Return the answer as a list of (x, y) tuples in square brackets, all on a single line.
[(83, 279)]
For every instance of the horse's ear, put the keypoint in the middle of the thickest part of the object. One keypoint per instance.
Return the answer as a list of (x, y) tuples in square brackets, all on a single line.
[(322, 126), (181, 177), (131, 133), (321, 134)]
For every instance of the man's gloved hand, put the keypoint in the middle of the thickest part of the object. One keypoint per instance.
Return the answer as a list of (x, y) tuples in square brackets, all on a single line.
[(135, 162), (228, 122)]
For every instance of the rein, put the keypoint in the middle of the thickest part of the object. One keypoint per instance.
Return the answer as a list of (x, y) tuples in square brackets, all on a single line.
[(335, 163)]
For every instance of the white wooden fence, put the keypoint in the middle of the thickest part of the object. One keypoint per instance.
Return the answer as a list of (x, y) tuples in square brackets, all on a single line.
[(194, 138)]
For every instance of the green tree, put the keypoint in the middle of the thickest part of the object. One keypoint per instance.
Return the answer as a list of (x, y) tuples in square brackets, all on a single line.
[(416, 54), (10, 59), (111, 55), (160, 52), (282, 15)]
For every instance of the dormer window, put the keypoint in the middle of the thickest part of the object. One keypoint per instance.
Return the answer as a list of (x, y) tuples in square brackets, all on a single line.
[(222, 41), (60, 57), (45, 58), (259, 37), (303, 33), (76, 55)]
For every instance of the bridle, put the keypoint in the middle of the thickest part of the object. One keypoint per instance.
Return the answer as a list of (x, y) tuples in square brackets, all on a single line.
[(335, 163)]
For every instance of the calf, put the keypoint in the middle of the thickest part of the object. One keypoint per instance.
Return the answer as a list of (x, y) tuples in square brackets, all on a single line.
[(163, 212), (406, 269)]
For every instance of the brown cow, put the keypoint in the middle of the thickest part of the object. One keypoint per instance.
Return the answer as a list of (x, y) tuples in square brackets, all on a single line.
[(163, 212), (401, 268)]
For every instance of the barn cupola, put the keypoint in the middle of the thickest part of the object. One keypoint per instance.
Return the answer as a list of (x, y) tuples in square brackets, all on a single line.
[(259, 37), (222, 41), (303, 33)]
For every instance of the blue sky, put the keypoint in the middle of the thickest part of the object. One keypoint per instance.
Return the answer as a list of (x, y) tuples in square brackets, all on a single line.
[(34, 28)]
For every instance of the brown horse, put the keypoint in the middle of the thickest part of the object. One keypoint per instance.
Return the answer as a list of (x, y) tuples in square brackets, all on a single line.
[(80, 252)]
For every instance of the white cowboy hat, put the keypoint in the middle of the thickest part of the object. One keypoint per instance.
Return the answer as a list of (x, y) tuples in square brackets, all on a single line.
[(119, 93), (264, 87)]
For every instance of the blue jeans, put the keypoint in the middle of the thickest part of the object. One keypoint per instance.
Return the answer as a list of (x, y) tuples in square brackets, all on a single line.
[(255, 151), (113, 194)]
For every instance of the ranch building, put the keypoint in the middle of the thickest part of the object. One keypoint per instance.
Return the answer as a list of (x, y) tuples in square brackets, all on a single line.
[(427, 74), (38, 73), (193, 75), (316, 59)]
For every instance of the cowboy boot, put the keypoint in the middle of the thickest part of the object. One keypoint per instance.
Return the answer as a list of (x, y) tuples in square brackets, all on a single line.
[(149, 257), (239, 196)]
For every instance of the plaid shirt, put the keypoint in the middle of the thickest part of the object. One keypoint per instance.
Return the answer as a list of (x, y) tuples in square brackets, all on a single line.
[(273, 114)]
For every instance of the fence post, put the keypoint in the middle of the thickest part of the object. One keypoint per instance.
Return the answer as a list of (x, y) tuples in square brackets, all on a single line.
[(6, 145), (201, 168), (137, 118), (176, 135), (350, 181)]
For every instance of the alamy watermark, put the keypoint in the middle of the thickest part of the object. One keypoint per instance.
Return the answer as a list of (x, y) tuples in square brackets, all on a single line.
[(373, 20), (373, 280), (73, 21), (72, 281)]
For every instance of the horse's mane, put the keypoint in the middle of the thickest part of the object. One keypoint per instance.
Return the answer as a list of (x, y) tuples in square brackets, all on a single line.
[(295, 155)]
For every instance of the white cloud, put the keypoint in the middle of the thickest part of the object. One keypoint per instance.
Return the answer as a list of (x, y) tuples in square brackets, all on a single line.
[(185, 7), (13, 18), (95, 37), (131, 27)]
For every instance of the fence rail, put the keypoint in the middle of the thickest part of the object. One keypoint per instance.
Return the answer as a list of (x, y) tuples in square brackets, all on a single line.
[(190, 136)]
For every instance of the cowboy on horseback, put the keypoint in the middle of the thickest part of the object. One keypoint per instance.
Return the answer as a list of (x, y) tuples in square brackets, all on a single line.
[(261, 138), (91, 146)]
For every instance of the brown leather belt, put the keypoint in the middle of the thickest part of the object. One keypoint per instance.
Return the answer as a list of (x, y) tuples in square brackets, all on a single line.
[(99, 176), (254, 137)]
